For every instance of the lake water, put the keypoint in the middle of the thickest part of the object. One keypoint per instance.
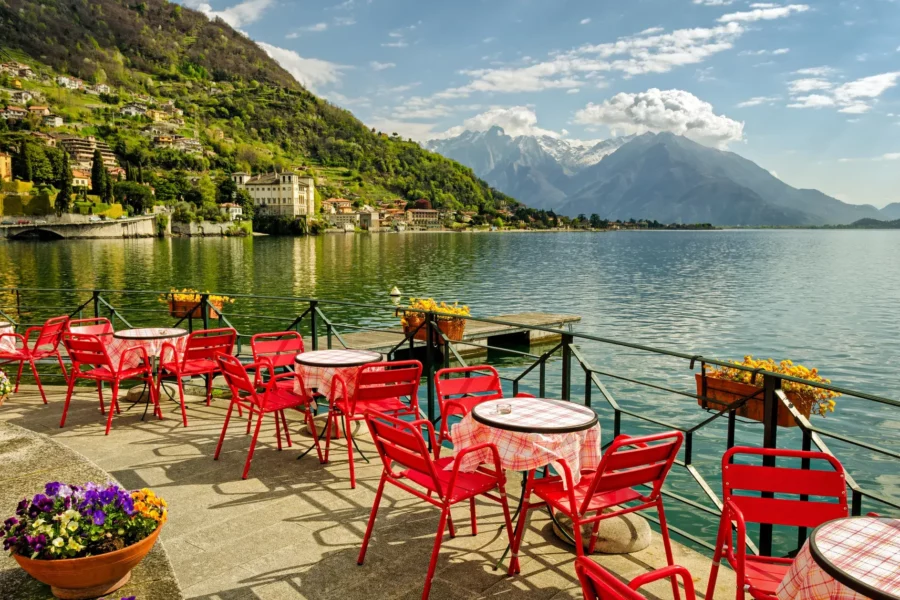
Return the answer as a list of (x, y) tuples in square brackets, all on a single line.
[(822, 298)]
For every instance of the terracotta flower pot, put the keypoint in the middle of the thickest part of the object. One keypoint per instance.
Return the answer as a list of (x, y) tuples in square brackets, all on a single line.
[(452, 328), (183, 308), (91, 576), (728, 392)]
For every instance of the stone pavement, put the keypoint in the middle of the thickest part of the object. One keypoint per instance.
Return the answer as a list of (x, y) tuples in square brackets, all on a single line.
[(293, 528)]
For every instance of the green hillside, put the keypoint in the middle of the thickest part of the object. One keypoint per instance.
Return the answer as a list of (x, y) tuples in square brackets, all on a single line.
[(246, 111)]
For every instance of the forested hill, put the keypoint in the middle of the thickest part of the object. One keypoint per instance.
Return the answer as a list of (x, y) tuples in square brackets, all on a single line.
[(248, 112)]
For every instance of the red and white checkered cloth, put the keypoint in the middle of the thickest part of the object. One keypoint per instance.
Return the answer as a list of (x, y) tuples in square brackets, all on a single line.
[(117, 346), (526, 451), (867, 549), (7, 344), (321, 377)]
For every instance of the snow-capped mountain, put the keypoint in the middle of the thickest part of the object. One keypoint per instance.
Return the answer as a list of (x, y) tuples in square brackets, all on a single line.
[(533, 169)]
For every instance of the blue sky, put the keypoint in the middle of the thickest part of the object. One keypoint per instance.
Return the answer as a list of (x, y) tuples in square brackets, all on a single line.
[(810, 91)]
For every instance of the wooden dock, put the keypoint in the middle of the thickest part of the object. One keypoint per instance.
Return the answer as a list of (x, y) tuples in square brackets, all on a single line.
[(476, 331)]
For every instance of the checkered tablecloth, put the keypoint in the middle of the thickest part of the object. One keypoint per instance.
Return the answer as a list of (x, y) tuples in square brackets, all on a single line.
[(867, 549), (321, 376), (525, 451), (118, 345), (7, 344)]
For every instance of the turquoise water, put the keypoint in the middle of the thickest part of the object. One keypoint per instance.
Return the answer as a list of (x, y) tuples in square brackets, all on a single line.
[(827, 299)]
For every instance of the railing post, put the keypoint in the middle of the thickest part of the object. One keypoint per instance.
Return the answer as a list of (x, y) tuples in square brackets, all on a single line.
[(543, 378), (313, 329), (328, 332), (588, 383), (804, 464), (771, 385), (96, 296), (204, 310), (429, 363), (617, 423), (567, 366)]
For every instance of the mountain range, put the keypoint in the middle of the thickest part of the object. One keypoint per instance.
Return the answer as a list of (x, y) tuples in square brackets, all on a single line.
[(661, 176)]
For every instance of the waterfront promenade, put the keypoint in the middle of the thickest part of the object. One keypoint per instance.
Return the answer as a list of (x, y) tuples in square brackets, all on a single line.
[(293, 529)]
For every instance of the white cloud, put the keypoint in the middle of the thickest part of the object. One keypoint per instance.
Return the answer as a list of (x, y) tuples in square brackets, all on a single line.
[(804, 86), (651, 31), (714, 2), (381, 66), (344, 21), (853, 97), (816, 71), (867, 87), (316, 27), (488, 40), (764, 12), (779, 51), (573, 91), (417, 131), (514, 120), (757, 101), (812, 101), (883, 157), (585, 21), (855, 108), (890, 156), (238, 15), (397, 44), (310, 72), (676, 111)]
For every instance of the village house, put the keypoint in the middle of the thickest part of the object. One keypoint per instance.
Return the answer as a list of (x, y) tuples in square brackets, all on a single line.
[(158, 116), (70, 83), (232, 211), (53, 121), (188, 145), (423, 217), (341, 220), (334, 206), (45, 138), (133, 109), (20, 97), (14, 113), (81, 178), (100, 88), (279, 194), (5, 167), (368, 219), (39, 110), (81, 151), (17, 69)]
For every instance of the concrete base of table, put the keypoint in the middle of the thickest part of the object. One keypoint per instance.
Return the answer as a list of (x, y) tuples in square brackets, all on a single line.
[(619, 535), (140, 393)]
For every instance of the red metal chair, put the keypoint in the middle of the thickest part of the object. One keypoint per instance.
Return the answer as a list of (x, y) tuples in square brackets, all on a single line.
[(274, 399), (198, 359), (89, 350), (458, 395), (279, 348), (760, 575), (99, 326), (627, 463), (599, 584), (379, 387), (46, 345), (425, 476)]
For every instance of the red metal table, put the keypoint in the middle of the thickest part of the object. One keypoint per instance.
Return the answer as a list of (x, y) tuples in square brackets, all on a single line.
[(847, 559)]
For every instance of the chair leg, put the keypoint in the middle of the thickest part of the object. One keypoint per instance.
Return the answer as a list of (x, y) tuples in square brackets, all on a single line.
[(154, 398), (252, 445), (350, 451), (69, 391), (717, 559), (114, 405), (224, 429), (576, 532), (472, 515), (594, 531), (62, 366), (445, 513), (37, 379), (19, 376), (181, 399), (311, 423), (327, 436), (209, 378), (100, 396), (287, 434), (664, 529), (450, 524), (277, 429), (368, 535)]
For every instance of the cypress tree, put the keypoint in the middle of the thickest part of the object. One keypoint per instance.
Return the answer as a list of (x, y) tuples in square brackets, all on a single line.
[(64, 183), (23, 169), (108, 195), (98, 174)]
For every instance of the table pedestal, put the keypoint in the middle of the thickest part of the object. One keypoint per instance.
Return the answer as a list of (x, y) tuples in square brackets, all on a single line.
[(618, 535)]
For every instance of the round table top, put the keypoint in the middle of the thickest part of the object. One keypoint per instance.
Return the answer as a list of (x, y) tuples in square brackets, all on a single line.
[(337, 358), (150, 333), (535, 415), (861, 553)]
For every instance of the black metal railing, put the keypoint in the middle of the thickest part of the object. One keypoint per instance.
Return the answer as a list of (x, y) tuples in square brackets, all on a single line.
[(22, 307)]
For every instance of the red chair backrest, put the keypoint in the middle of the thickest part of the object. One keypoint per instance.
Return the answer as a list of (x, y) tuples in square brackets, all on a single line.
[(207, 344), (599, 584), (99, 326), (236, 376), (633, 461), (86, 349), (481, 381), (401, 442), (792, 512), (381, 381), (51, 333), (280, 348)]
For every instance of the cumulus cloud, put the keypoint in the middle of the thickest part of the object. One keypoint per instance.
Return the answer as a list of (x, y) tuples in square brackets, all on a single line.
[(764, 12), (310, 72), (514, 120), (381, 66), (757, 101), (676, 111), (852, 97), (238, 15)]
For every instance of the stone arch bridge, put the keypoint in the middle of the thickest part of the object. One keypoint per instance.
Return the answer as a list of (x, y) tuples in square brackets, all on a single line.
[(143, 226)]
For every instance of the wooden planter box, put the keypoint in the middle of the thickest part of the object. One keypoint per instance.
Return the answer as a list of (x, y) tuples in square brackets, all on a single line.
[(184, 308), (452, 328), (729, 392)]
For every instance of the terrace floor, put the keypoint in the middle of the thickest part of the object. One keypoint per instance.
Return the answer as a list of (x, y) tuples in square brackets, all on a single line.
[(293, 528)]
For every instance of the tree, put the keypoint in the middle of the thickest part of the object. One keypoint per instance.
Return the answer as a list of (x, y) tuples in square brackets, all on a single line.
[(108, 195), (98, 174), (596, 221), (22, 164), (246, 202), (226, 190), (64, 183), (135, 195)]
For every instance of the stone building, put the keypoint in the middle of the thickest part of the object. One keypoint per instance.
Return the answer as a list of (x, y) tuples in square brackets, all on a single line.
[(279, 194), (5, 167)]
